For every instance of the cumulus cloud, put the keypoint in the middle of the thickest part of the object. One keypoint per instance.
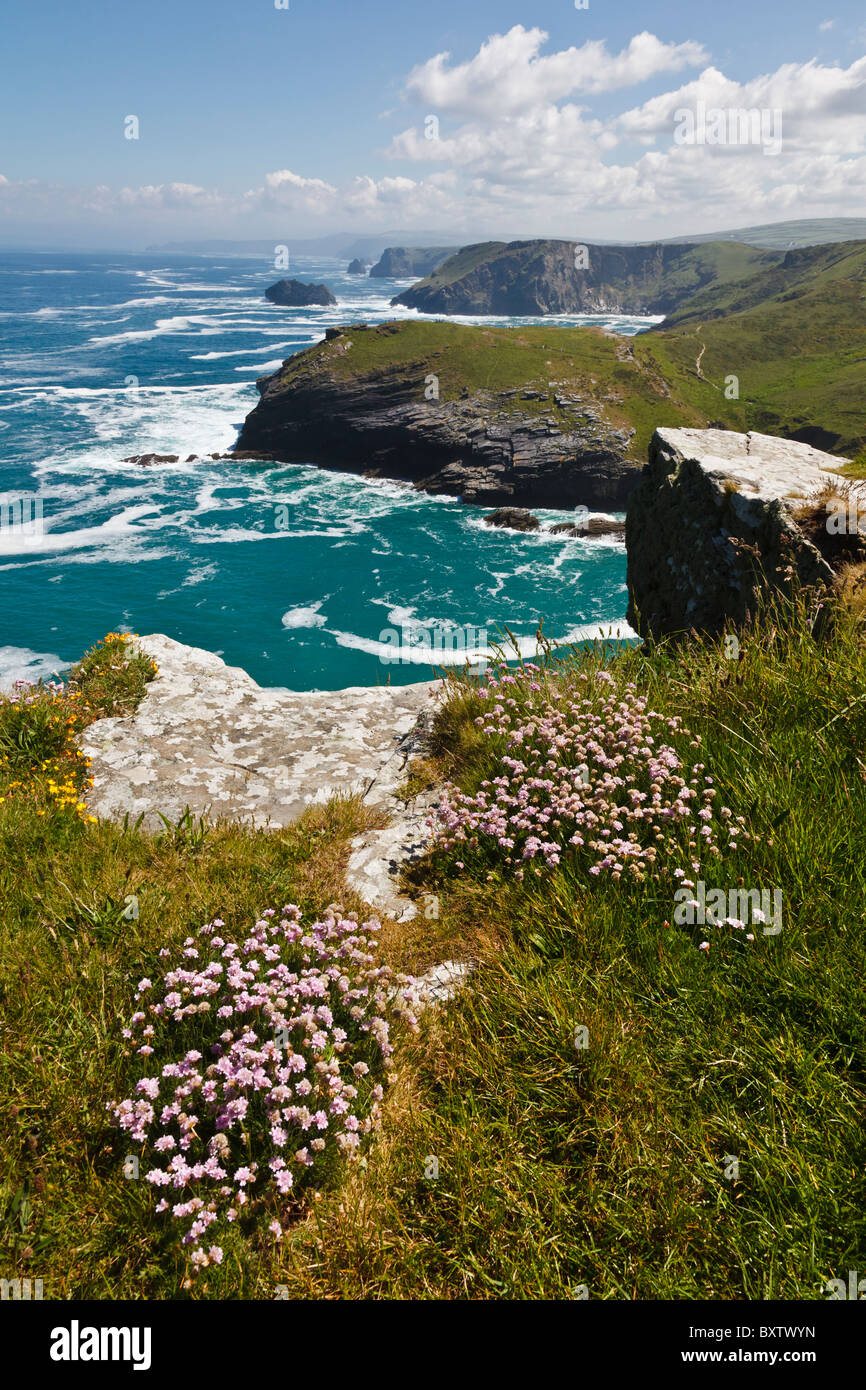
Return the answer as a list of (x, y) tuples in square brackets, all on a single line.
[(520, 145), (534, 150), (508, 75), (822, 108)]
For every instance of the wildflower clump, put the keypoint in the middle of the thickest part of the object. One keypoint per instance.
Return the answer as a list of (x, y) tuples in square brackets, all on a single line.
[(40, 724), (585, 770), (265, 1062)]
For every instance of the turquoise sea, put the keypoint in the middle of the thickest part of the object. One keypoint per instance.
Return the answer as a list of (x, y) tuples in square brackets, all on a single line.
[(306, 578)]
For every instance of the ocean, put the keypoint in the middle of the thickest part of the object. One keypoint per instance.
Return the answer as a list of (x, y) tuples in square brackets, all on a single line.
[(307, 579)]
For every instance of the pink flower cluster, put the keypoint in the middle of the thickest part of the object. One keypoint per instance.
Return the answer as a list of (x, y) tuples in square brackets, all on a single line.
[(583, 769), (276, 1052)]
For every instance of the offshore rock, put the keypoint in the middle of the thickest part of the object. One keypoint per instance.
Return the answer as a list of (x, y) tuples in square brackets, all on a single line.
[(298, 294), (514, 518)]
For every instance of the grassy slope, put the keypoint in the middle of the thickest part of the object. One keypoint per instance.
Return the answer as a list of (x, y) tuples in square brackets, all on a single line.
[(69, 962), (606, 1167), (795, 340), (793, 335)]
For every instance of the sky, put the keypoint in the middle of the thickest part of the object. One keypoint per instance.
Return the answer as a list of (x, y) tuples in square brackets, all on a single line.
[(131, 124)]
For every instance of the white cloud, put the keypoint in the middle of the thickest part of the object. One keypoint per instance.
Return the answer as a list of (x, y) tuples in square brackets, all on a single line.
[(508, 75), (522, 150)]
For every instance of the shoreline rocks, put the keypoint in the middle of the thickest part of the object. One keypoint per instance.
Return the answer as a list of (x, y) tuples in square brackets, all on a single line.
[(514, 518)]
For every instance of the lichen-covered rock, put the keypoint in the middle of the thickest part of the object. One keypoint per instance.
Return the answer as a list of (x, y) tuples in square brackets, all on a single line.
[(712, 524), (207, 737)]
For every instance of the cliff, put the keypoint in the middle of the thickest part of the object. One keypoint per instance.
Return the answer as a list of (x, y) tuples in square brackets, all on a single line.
[(489, 415), (398, 262), (561, 277)]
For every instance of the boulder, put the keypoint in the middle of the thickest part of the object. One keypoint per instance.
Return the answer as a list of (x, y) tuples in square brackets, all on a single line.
[(298, 294), (356, 267), (720, 519), (515, 518)]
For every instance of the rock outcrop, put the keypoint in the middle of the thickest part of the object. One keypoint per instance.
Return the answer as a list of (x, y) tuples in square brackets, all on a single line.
[(398, 262), (713, 524), (356, 267), (514, 518), (547, 446), (298, 294), (207, 737), (148, 460)]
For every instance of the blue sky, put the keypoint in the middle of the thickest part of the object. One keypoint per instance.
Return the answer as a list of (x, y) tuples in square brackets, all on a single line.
[(256, 120)]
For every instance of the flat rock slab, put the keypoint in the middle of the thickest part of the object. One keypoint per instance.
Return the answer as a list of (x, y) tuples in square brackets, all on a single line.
[(207, 737), (378, 856), (761, 465)]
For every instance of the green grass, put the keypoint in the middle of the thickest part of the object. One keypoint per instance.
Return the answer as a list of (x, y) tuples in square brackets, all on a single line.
[(791, 334), (787, 325), (558, 1167), (605, 1167), (70, 957)]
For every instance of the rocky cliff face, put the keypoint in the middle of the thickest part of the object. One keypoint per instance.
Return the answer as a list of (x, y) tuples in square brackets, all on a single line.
[(559, 277), (401, 261), (716, 519), (487, 447)]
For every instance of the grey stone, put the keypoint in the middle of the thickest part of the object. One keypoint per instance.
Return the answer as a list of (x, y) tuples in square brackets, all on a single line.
[(208, 737), (712, 525)]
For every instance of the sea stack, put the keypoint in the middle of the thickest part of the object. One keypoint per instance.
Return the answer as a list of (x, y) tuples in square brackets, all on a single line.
[(297, 294)]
